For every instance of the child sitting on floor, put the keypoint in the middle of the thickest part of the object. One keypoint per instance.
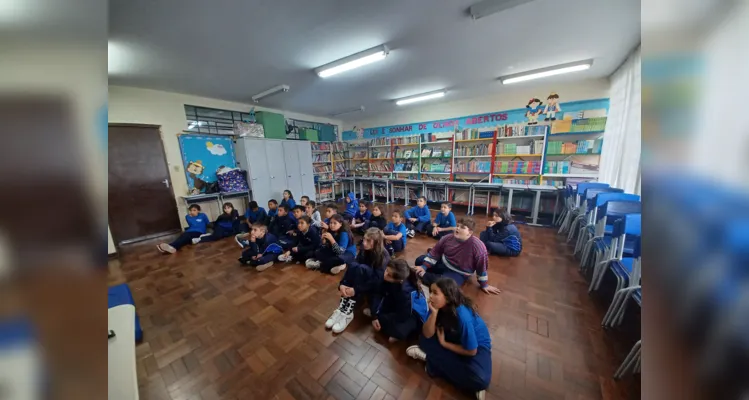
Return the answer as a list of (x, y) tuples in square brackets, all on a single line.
[(352, 207), (291, 237), (361, 219), (403, 308), (444, 223), (288, 200), (331, 209), (313, 214), (303, 201), (254, 214), (418, 217), (272, 211), (337, 249), (283, 226), (395, 234), (501, 236), (362, 279), (197, 224), (308, 240), (260, 249), (226, 224), (455, 342), (377, 220)]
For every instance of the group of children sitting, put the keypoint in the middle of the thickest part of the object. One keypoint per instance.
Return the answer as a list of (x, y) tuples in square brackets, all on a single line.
[(454, 340)]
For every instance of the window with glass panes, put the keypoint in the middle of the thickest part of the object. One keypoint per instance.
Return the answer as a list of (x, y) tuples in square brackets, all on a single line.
[(212, 120)]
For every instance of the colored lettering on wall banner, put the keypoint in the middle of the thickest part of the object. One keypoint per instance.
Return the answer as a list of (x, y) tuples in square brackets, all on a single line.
[(479, 121)]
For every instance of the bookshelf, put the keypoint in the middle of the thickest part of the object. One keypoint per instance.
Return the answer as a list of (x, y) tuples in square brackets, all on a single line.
[(573, 150), (357, 158), (324, 168), (380, 161)]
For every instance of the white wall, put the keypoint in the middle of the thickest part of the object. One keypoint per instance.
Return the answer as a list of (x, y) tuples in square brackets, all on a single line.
[(167, 110), (509, 99)]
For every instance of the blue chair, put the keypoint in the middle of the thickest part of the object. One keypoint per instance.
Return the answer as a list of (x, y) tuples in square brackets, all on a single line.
[(585, 212), (632, 363), (609, 208), (630, 225), (627, 272), (574, 209), (567, 207)]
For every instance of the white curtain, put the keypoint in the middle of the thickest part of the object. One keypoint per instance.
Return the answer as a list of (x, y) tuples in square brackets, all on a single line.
[(620, 155)]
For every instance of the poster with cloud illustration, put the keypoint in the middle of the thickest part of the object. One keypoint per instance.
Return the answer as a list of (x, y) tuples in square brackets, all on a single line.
[(202, 155)]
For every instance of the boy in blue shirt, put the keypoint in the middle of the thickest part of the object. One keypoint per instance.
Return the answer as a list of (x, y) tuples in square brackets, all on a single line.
[(283, 224), (272, 212), (255, 214), (330, 210), (395, 234), (260, 249), (444, 223), (417, 218), (290, 238), (352, 207), (361, 218), (197, 224)]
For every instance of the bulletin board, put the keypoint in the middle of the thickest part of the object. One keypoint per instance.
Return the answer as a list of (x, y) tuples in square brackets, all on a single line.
[(202, 156)]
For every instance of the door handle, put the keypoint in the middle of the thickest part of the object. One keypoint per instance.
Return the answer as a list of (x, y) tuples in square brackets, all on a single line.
[(166, 183), (254, 179), (289, 176)]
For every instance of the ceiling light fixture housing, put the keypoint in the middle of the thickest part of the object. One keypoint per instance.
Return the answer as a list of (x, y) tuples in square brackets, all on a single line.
[(488, 7), (353, 110), (421, 97), (280, 88), (353, 61), (546, 72)]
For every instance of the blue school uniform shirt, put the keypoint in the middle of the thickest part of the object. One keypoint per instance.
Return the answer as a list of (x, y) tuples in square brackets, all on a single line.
[(363, 217), (445, 221), (198, 223), (256, 216), (345, 242), (290, 203), (273, 213), (421, 213), (400, 228), (353, 206), (473, 331)]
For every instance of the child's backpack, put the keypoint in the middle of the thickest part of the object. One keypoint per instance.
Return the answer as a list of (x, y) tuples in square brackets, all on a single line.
[(419, 305), (231, 180)]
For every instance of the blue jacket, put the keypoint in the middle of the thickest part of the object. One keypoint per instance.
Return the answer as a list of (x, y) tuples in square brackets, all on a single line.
[(374, 276), (445, 221), (363, 217), (352, 207), (261, 244), (508, 234), (344, 244), (418, 212), (281, 225), (401, 228), (228, 222), (198, 223), (309, 241), (378, 222), (289, 203), (256, 216), (401, 301)]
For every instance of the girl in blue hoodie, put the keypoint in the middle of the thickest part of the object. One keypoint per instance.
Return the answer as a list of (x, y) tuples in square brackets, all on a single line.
[(501, 236), (338, 247), (403, 307), (226, 224), (288, 200), (352, 207)]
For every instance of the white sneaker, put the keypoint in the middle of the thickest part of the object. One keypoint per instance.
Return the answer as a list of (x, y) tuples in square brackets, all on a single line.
[(195, 240), (336, 314), (312, 264), (367, 312), (347, 315), (284, 258), (411, 233), (416, 353), (261, 268), (481, 395), (241, 241), (336, 270)]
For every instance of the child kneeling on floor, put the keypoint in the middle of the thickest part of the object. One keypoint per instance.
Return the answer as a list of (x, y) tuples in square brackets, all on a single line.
[(308, 240), (362, 279), (455, 342), (403, 308), (197, 224), (260, 249), (337, 249), (501, 236)]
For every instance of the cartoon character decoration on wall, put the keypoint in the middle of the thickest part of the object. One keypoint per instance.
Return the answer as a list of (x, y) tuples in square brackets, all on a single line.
[(533, 110), (251, 118), (195, 170), (552, 107), (359, 132)]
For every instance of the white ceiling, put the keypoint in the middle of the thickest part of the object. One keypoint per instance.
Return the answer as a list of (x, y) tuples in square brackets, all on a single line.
[(232, 50)]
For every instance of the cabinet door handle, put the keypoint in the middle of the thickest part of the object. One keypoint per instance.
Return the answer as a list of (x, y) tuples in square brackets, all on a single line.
[(254, 179)]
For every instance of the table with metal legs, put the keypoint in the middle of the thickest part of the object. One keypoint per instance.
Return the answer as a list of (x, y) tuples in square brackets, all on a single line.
[(463, 186), (489, 188), (537, 200)]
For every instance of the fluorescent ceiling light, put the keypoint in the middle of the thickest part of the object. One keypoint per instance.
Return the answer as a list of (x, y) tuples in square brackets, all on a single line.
[(488, 7), (353, 110), (353, 61), (273, 90), (546, 72), (421, 97)]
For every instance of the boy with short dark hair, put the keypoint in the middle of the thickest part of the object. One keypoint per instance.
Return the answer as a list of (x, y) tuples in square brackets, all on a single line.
[(331, 209), (197, 224), (360, 223), (260, 248), (395, 233), (377, 220), (313, 214), (254, 214), (308, 241), (444, 223), (418, 217), (272, 212), (303, 201), (283, 223)]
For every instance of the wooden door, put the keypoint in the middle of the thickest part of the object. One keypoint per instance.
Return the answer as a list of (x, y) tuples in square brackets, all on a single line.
[(293, 169), (276, 168), (141, 200), (305, 164)]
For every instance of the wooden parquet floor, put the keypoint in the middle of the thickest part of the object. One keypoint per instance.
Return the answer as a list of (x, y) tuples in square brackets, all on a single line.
[(215, 330)]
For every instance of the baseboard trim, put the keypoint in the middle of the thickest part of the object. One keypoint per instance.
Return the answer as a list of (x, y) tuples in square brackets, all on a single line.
[(149, 237)]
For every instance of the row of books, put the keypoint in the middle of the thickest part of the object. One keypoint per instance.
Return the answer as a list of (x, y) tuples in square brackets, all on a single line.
[(359, 154), (473, 166), (400, 153), (474, 133), (380, 167), (405, 139), (436, 152), (435, 195), (381, 154), (408, 166), (520, 130), (321, 157), (339, 146), (320, 146), (536, 147), (433, 137), (322, 168), (578, 125), (340, 168), (483, 149), (507, 181), (517, 167), (578, 147), (400, 193), (379, 141), (436, 167), (557, 167)]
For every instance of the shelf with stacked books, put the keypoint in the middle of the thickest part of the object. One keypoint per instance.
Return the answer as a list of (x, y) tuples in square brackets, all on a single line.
[(572, 151), (323, 168), (356, 157)]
